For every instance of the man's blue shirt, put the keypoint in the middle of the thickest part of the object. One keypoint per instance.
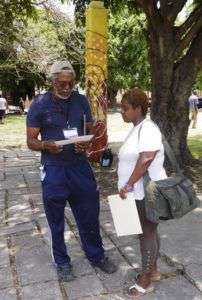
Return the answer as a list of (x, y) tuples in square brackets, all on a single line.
[(52, 116)]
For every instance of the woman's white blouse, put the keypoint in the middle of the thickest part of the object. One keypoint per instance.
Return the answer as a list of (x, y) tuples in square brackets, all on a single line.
[(148, 139)]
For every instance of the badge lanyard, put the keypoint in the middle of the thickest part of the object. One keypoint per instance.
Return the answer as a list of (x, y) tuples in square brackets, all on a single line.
[(84, 124), (70, 132)]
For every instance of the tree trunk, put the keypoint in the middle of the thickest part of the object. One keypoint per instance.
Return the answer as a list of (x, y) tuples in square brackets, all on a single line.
[(170, 107), (176, 58), (171, 88)]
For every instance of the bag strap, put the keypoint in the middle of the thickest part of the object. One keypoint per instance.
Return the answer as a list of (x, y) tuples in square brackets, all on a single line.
[(168, 150), (171, 156)]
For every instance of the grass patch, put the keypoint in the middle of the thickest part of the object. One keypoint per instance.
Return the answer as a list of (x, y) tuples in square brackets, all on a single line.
[(13, 132), (14, 119), (195, 145)]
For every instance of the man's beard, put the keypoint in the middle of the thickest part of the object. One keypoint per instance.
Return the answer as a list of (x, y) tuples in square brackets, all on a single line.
[(63, 97)]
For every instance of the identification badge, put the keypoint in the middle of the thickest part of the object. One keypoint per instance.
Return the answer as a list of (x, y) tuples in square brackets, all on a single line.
[(42, 173), (70, 133)]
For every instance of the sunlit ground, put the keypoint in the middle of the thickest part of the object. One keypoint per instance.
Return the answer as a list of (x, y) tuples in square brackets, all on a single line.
[(13, 134)]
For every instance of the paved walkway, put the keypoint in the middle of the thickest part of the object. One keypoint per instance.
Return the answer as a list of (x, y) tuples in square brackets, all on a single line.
[(26, 269)]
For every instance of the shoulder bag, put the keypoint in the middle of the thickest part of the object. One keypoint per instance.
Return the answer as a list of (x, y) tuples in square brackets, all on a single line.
[(170, 198)]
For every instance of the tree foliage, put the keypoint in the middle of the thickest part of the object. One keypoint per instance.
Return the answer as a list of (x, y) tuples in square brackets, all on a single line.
[(13, 16), (198, 82), (41, 36), (128, 57)]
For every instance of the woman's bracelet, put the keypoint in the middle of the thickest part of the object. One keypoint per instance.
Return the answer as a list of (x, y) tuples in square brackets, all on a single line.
[(128, 187)]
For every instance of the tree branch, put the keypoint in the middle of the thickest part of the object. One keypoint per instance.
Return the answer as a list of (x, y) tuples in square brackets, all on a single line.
[(191, 63), (165, 7), (194, 16), (188, 38), (175, 9), (151, 11)]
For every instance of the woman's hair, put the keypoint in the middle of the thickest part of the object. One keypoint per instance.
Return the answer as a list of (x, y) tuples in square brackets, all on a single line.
[(136, 97)]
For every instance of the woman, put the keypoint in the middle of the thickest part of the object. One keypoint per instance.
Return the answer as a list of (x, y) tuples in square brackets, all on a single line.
[(141, 152)]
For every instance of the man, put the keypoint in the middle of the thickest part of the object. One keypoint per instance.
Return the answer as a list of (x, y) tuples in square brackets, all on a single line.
[(65, 171), (3, 108), (193, 108)]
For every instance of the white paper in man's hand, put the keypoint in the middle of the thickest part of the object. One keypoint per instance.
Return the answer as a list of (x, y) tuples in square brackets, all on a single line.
[(73, 140), (125, 215)]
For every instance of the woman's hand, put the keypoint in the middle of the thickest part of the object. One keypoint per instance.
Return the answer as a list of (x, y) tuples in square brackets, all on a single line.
[(124, 190), (122, 193)]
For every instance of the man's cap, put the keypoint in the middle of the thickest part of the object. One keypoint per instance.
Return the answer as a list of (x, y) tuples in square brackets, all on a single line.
[(60, 66)]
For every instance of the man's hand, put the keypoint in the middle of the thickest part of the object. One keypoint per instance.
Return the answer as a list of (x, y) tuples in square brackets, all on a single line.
[(35, 144), (52, 147), (81, 147)]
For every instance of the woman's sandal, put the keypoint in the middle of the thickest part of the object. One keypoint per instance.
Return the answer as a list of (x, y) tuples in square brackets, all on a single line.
[(155, 276), (141, 291)]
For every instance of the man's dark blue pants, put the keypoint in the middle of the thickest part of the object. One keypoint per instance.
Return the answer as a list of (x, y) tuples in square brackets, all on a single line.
[(76, 184)]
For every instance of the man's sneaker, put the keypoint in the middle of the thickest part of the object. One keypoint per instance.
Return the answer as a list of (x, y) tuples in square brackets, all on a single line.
[(105, 265), (65, 273)]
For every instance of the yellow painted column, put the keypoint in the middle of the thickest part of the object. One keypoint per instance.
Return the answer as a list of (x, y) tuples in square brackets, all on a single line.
[(96, 68)]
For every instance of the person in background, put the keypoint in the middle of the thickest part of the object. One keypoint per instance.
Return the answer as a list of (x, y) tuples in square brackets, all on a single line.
[(193, 108), (141, 152), (21, 106), (3, 108), (66, 174)]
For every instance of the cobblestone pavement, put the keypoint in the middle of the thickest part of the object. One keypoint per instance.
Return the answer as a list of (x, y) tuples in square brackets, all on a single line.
[(26, 269)]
